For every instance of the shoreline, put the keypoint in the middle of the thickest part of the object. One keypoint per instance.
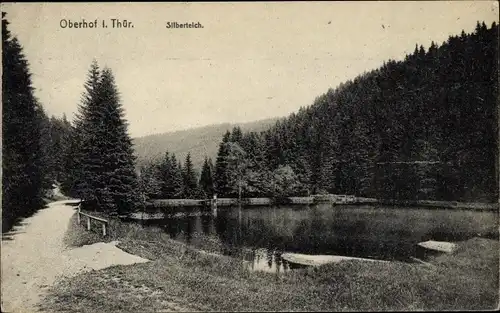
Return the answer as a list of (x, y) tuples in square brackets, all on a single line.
[(179, 274), (161, 208)]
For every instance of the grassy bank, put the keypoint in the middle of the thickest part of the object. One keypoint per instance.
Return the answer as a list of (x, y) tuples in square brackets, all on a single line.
[(180, 278)]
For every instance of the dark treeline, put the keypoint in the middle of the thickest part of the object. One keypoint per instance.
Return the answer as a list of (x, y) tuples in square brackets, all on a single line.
[(169, 179), (421, 128), (244, 168), (240, 171), (22, 169), (31, 141)]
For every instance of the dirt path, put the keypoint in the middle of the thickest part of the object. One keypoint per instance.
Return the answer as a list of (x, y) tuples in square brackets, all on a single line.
[(35, 257)]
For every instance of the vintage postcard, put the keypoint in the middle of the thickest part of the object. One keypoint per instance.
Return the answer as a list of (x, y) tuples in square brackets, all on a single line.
[(265, 156)]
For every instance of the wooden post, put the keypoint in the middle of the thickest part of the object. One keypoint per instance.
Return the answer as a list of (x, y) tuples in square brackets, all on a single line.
[(88, 223), (78, 214), (104, 229)]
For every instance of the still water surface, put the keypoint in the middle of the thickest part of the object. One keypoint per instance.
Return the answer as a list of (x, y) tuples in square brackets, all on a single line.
[(259, 235)]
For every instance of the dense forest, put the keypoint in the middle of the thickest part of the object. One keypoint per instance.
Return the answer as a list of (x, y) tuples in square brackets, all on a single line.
[(31, 141), (421, 128), (169, 179)]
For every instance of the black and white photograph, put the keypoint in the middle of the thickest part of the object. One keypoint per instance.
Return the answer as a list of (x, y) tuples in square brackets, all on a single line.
[(250, 156)]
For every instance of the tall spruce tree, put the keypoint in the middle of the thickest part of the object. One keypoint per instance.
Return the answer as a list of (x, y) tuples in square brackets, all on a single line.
[(86, 163), (61, 133), (119, 179), (171, 180), (46, 142), (104, 164), (250, 143), (170, 176), (150, 181), (178, 179), (165, 169), (206, 179), (221, 175), (189, 179), (71, 162), (54, 141), (22, 160)]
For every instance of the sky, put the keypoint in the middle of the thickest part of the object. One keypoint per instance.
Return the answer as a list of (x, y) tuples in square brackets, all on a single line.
[(250, 61)]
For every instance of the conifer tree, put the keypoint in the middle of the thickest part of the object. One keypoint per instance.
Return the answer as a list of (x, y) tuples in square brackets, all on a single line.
[(86, 163), (165, 174), (171, 179), (62, 137), (118, 181), (54, 137), (70, 162), (48, 159), (236, 135), (179, 180), (22, 157), (104, 162), (149, 181), (221, 175), (189, 179), (206, 179)]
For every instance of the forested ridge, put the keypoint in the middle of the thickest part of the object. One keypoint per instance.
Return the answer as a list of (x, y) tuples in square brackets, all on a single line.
[(421, 128), (198, 142)]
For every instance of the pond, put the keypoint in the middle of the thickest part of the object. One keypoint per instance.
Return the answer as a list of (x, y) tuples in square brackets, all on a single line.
[(259, 235)]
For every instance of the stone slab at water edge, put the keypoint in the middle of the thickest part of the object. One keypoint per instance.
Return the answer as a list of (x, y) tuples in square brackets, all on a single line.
[(440, 246), (317, 260)]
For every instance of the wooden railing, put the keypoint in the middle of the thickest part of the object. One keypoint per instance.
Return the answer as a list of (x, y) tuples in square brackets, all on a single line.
[(104, 222)]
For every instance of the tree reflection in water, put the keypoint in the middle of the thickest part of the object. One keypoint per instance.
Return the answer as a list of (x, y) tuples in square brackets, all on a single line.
[(259, 235)]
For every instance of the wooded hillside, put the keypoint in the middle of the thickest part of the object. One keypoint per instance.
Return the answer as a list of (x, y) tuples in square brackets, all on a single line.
[(199, 142), (425, 127)]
